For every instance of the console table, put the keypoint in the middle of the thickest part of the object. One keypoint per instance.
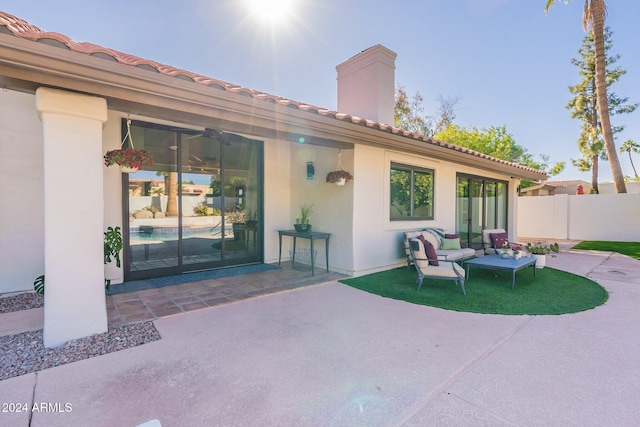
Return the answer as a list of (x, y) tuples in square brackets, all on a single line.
[(312, 236)]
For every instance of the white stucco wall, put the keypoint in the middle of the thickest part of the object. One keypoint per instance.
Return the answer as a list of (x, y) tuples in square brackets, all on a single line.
[(377, 239), (277, 197), (611, 217), (21, 179), (332, 204)]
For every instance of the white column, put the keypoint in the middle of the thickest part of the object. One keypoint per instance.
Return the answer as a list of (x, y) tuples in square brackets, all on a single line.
[(73, 215)]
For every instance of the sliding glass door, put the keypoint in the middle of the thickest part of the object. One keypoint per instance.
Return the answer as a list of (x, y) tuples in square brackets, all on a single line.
[(199, 206), (480, 203)]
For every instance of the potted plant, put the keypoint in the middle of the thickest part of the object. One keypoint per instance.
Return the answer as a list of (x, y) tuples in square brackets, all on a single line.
[(540, 251), (516, 253), (302, 221), (339, 177), (112, 248), (237, 218), (129, 159)]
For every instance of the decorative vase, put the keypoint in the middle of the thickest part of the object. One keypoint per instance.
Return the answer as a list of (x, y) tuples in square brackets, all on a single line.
[(302, 228), (517, 256), (341, 181), (127, 169)]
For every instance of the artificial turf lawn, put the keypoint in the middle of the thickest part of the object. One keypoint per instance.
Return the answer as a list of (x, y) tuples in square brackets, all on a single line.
[(550, 292), (631, 249)]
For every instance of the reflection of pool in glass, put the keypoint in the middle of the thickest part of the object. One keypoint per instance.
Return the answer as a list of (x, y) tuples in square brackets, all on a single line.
[(165, 234)]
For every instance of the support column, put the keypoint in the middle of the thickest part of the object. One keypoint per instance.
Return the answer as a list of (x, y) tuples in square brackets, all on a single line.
[(73, 215)]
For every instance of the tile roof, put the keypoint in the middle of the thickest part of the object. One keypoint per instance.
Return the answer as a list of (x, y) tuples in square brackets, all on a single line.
[(25, 30)]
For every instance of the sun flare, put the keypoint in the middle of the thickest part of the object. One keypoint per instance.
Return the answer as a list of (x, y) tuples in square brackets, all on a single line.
[(270, 11)]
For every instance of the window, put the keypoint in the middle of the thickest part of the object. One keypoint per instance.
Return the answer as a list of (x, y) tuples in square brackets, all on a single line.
[(411, 193)]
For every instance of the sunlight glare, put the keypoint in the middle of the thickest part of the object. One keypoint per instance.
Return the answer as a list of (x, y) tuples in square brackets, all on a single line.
[(270, 11)]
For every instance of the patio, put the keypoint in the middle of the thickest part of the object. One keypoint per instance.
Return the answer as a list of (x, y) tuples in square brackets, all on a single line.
[(152, 304), (332, 355)]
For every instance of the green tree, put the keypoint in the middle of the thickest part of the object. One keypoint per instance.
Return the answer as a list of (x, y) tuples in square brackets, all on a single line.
[(628, 147), (409, 113), (584, 104), (497, 142), (593, 18)]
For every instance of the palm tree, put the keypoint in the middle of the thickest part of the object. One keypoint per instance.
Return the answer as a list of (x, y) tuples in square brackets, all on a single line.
[(628, 147), (593, 18)]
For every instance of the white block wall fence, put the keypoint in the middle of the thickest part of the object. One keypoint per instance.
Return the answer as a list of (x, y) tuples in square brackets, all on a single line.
[(612, 217)]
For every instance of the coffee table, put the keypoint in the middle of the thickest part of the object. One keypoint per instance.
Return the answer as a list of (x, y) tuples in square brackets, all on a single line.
[(496, 262)]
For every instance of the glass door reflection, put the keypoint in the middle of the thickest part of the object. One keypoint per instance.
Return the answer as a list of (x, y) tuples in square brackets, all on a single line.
[(200, 204), (153, 238)]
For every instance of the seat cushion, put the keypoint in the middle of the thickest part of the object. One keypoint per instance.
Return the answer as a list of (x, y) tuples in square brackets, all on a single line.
[(457, 255), (468, 253), (408, 235), (445, 269), (429, 250), (420, 255), (430, 237)]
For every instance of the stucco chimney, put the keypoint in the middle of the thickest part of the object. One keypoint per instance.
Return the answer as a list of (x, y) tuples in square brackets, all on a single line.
[(366, 84)]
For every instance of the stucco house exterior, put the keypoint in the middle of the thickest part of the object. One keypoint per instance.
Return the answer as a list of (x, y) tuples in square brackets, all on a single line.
[(219, 149)]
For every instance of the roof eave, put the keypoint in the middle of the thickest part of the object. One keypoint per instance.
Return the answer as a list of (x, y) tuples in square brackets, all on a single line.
[(26, 65)]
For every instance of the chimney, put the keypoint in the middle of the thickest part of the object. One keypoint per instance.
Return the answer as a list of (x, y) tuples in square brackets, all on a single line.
[(366, 84)]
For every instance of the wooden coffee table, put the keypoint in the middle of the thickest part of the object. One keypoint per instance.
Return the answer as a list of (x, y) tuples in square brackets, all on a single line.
[(496, 262)]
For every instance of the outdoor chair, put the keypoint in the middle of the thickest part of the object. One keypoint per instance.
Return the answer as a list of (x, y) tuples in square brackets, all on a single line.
[(490, 244), (445, 270)]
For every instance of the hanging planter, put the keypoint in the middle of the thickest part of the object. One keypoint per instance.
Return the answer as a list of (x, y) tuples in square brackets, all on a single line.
[(130, 160), (127, 169), (339, 176)]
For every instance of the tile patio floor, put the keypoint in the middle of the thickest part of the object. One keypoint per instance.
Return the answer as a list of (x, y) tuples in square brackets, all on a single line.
[(151, 304)]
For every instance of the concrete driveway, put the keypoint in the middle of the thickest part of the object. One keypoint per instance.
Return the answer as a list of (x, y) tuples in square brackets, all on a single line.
[(331, 355)]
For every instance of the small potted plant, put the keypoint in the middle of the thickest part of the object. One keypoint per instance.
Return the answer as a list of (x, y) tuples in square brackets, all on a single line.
[(540, 251), (130, 160), (302, 221), (516, 253), (339, 177)]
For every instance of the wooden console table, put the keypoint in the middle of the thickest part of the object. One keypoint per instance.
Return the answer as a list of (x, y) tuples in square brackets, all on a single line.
[(312, 236)]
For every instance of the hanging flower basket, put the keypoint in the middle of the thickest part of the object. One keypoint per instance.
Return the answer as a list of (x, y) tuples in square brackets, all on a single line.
[(129, 159), (339, 177)]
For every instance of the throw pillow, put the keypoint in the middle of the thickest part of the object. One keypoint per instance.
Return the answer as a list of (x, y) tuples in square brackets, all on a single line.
[(499, 239), (430, 251), (451, 244), (452, 236)]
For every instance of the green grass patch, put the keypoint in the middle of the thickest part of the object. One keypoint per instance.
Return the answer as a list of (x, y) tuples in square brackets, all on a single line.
[(550, 292), (631, 249)]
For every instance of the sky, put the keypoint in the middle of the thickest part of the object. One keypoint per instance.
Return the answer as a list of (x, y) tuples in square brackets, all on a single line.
[(508, 62)]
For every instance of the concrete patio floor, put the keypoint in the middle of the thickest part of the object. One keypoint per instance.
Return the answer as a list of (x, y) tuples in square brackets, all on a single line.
[(331, 355)]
